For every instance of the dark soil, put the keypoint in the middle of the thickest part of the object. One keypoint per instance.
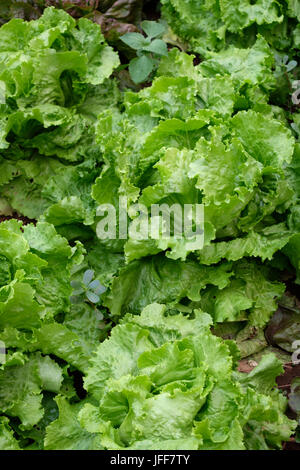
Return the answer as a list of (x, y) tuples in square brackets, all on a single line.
[(25, 220)]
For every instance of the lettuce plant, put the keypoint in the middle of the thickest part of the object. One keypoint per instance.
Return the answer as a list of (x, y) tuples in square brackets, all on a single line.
[(53, 84), (166, 382), (124, 343)]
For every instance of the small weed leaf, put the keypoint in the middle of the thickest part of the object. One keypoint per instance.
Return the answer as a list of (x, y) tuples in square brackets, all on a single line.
[(152, 28), (88, 276), (92, 297), (157, 46), (135, 40), (140, 68), (87, 289)]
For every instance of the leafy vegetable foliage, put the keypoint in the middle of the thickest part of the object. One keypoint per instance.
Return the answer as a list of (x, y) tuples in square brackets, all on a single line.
[(117, 344)]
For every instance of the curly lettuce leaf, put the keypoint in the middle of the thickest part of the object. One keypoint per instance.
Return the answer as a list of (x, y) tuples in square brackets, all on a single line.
[(168, 388)]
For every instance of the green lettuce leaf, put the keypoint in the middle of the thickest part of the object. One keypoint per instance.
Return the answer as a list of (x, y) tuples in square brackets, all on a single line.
[(174, 385)]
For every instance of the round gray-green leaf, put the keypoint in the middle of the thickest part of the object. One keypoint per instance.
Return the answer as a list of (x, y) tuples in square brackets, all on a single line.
[(94, 284), (92, 297), (97, 287), (291, 65), (88, 276)]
